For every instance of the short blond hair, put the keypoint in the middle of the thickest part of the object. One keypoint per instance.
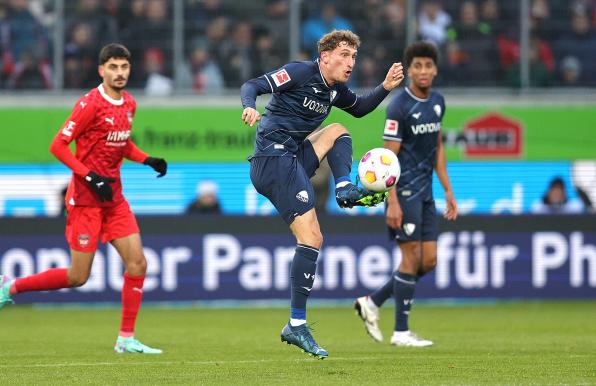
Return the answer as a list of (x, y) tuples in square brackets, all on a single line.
[(331, 40)]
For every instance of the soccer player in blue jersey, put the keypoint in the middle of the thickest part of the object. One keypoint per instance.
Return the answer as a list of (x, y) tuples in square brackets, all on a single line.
[(413, 132), (290, 145)]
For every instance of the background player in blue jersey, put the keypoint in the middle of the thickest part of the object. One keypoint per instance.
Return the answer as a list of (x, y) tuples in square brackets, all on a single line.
[(413, 132), (290, 145)]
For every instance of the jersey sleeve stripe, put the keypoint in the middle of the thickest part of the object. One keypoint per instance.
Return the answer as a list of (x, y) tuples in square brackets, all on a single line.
[(352, 105), (269, 82), (391, 139)]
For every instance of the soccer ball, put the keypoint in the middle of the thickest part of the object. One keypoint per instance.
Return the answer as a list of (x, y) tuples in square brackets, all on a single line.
[(379, 169)]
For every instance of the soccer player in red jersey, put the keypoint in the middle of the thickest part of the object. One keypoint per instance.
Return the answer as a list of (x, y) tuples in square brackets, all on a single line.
[(100, 125)]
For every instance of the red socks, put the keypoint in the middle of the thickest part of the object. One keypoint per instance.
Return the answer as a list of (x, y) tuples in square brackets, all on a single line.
[(132, 295), (52, 279)]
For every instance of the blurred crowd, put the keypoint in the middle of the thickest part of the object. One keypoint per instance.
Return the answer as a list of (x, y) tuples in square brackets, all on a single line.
[(227, 41)]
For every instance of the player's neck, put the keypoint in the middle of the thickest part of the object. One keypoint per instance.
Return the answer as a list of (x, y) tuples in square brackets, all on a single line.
[(114, 94), (419, 92)]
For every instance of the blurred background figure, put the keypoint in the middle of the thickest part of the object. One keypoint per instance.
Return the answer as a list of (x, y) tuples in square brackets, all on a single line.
[(556, 201), (324, 19), (156, 82), (206, 201)]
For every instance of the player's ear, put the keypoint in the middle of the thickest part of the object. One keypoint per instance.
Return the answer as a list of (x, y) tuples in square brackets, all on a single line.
[(325, 57), (100, 70)]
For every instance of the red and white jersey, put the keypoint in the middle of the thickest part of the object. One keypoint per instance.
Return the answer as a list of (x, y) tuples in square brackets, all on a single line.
[(101, 129)]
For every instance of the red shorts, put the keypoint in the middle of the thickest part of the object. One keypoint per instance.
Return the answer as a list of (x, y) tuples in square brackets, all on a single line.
[(86, 224)]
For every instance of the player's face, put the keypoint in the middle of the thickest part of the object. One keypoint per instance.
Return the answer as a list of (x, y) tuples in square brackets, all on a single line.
[(422, 72), (115, 73), (339, 63)]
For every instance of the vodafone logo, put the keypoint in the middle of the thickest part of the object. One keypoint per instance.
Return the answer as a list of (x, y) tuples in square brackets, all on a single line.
[(281, 77)]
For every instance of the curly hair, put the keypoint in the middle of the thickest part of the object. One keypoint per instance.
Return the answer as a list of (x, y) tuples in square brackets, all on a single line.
[(331, 40)]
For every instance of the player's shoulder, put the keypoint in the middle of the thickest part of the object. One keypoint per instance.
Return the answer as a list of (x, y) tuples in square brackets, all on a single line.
[(128, 98), (89, 99), (304, 68), (436, 96), (399, 100)]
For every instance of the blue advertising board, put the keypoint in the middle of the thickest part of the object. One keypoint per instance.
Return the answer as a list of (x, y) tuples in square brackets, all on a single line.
[(480, 188)]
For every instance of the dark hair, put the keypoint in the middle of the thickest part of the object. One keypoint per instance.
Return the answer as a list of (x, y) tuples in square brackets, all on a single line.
[(331, 40), (421, 50), (113, 50)]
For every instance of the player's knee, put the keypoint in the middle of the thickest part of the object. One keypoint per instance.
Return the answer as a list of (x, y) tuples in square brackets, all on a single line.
[(429, 264), (77, 279), (137, 266), (314, 239), (338, 129)]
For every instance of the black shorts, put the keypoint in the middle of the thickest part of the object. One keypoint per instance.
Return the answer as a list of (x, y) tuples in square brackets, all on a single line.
[(419, 221), (285, 180)]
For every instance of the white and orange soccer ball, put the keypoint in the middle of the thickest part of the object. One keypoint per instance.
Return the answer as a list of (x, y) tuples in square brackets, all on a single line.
[(379, 169)]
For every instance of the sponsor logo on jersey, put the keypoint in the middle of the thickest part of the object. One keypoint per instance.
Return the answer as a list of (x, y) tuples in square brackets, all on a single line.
[(315, 106), (391, 127), (438, 110), (118, 136), (281, 77), (67, 130), (409, 228), (425, 128), (302, 196)]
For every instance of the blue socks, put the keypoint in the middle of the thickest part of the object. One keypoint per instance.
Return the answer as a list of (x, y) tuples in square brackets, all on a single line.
[(340, 158), (383, 293), (403, 293), (302, 276)]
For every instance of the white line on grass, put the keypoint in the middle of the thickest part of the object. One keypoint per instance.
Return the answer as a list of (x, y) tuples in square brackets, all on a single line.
[(182, 362)]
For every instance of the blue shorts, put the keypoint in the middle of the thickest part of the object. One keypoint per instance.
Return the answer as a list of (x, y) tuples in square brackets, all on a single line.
[(285, 180), (419, 221)]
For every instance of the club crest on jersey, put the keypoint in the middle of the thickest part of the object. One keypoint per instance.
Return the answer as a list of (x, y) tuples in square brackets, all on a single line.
[(409, 228), (129, 116), (83, 240), (302, 196), (332, 95), (438, 110), (391, 126), (281, 77)]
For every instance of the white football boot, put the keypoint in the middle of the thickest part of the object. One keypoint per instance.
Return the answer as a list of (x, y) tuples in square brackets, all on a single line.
[(370, 317), (409, 339)]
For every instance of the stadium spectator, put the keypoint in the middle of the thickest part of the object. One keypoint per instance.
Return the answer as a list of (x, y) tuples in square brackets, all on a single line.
[(206, 201), (570, 71), (472, 57), (237, 64), (201, 72), (542, 66), (580, 43), (277, 18), (323, 21), (433, 22), (80, 67), (156, 82), (25, 60), (556, 201), (104, 29), (266, 55)]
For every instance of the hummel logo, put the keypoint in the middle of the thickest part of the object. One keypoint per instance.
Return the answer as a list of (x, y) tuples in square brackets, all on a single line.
[(308, 289), (417, 115), (316, 90), (110, 120)]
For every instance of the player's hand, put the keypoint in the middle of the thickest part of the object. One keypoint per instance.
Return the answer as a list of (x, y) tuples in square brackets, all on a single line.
[(394, 215), (394, 76), (450, 212), (158, 164), (250, 116), (101, 185)]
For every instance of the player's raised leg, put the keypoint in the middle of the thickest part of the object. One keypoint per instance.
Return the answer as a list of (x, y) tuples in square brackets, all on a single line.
[(135, 264), (50, 280), (335, 143), (309, 240)]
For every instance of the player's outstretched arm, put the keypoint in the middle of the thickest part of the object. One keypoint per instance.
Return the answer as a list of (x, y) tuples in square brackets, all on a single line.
[(441, 170)]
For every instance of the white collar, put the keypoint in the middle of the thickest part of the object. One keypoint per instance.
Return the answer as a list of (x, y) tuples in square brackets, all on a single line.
[(415, 97), (117, 102), (320, 72)]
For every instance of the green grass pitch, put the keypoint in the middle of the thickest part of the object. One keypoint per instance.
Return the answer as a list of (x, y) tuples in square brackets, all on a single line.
[(530, 343)]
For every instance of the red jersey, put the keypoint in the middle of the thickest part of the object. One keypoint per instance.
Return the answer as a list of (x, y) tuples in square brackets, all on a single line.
[(101, 129)]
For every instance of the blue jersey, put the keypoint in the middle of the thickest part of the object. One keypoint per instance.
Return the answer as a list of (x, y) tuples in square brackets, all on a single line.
[(416, 123), (301, 101)]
